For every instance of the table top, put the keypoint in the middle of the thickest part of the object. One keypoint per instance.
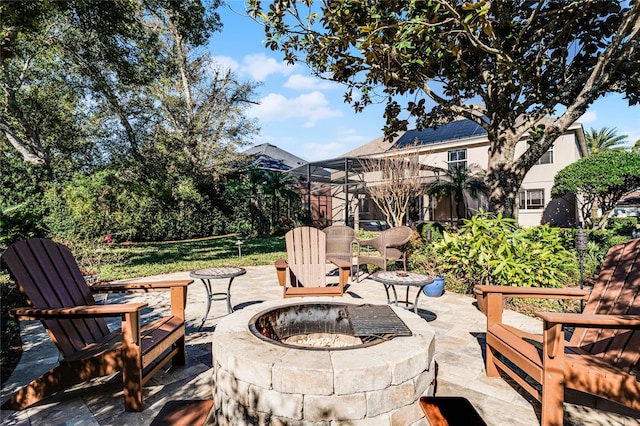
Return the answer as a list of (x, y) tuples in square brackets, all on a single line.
[(219, 272), (399, 278)]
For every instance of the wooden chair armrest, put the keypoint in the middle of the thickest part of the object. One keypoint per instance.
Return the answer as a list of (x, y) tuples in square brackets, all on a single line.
[(533, 292), (343, 264), (591, 320), (137, 287), (281, 268), (83, 311)]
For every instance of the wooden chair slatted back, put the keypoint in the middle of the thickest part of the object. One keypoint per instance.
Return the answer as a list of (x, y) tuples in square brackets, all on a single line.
[(306, 251), (617, 292), (48, 275)]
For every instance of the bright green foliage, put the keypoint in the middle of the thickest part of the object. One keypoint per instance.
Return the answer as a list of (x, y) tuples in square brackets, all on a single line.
[(90, 207), (601, 178), (492, 250)]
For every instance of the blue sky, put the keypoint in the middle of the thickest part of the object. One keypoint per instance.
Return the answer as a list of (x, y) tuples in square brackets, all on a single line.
[(307, 116)]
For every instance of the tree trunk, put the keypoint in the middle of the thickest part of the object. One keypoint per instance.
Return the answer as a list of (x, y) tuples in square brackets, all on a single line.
[(504, 177)]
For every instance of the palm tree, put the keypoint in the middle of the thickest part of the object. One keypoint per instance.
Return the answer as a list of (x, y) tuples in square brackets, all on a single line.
[(279, 187), (266, 190), (456, 183), (605, 139)]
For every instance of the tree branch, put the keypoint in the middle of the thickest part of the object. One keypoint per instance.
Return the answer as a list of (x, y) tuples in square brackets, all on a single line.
[(19, 145)]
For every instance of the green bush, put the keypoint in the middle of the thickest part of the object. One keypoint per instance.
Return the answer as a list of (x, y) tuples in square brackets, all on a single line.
[(492, 250), (435, 228), (92, 206), (21, 209), (622, 225)]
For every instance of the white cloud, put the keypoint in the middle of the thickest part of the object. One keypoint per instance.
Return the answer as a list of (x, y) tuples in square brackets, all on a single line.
[(352, 136), (323, 151), (225, 63), (301, 82), (260, 66), (588, 117), (308, 108), (633, 134)]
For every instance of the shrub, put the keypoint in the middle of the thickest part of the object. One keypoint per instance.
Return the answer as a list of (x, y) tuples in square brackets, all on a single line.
[(21, 210), (492, 250), (622, 225), (91, 206)]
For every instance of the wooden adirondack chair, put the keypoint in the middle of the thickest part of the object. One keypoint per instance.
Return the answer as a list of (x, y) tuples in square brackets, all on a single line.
[(306, 252), (602, 357), (47, 273)]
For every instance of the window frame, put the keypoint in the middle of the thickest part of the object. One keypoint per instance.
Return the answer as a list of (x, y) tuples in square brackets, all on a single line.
[(457, 162), (527, 205), (548, 154)]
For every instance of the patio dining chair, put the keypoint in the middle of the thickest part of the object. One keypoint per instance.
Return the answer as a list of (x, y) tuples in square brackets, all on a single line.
[(341, 241), (390, 246)]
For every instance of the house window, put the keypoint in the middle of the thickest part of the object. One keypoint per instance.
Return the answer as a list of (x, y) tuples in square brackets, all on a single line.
[(547, 157), (364, 205), (457, 158), (531, 199)]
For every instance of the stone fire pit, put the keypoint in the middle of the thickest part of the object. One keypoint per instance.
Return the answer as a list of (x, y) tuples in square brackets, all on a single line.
[(260, 381)]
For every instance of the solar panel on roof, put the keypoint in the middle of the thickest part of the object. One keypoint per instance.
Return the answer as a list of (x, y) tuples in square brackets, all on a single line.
[(459, 129)]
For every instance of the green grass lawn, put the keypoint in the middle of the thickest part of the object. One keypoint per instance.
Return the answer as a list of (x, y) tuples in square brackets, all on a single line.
[(121, 261)]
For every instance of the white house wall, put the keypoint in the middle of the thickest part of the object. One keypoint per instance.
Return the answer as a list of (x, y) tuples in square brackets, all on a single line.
[(541, 176), (567, 149)]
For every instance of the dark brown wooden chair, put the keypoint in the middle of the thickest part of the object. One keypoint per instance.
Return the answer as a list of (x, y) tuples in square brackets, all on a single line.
[(602, 357), (390, 246), (306, 263), (47, 273)]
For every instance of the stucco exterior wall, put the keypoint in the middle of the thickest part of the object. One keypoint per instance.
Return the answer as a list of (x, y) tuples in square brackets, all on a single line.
[(566, 150)]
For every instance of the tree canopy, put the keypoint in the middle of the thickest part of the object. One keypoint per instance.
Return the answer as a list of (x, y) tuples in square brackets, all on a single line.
[(508, 66), (122, 120), (602, 178), (66, 64)]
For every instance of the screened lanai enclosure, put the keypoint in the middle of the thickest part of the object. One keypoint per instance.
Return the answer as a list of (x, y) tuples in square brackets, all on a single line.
[(350, 181)]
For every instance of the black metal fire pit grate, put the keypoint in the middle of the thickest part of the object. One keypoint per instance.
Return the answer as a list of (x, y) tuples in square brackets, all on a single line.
[(372, 324), (376, 320)]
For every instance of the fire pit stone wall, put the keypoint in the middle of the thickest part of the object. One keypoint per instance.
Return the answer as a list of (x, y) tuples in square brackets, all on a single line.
[(257, 382)]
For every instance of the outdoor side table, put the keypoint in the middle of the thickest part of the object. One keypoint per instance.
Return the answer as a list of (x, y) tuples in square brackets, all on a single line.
[(391, 279), (207, 274)]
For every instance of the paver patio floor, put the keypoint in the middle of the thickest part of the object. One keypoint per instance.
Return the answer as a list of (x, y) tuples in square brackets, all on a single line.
[(459, 327)]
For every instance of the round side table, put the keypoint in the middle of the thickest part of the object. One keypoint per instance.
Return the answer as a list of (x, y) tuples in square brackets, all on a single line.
[(390, 279), (207, 274)]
